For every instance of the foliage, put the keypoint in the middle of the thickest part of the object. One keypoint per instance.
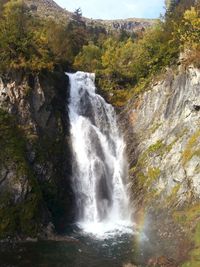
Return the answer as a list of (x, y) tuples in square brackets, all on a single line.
[(32, 44), (21, 46), (128, 62), (126, 65), (189, 34), (63, 41), (171, 4), (89, 58)]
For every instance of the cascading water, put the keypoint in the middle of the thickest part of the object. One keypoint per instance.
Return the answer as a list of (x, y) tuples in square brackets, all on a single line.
[(99, 164)]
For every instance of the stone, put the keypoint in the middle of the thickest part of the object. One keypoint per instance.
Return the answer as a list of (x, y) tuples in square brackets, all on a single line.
[(35, 168), (166, 116)]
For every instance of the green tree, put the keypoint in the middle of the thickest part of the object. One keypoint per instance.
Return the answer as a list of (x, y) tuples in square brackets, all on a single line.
[(22, 43), (2, 3), (190, 32), (59, 42), (89, 59), (171, 4), (77, 15), (78, 34)]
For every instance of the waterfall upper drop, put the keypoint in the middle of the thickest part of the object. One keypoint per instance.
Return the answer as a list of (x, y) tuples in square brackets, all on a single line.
[(99, 163)]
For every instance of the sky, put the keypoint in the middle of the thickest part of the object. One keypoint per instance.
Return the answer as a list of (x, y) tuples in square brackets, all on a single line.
[(115, 9)]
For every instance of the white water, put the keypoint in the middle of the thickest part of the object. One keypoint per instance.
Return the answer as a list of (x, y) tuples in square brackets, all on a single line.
[(99, 163)]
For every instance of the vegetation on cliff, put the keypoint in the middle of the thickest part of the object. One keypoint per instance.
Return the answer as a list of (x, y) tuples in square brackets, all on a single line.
[(124, 67)]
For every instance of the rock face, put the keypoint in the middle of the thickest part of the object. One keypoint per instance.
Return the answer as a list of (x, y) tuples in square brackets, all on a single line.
[(35, 163), (129, 25), (165, 125), (162, 129)]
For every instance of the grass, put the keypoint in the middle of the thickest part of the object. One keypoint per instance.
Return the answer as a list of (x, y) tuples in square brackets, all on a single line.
[(192, 148), (153, 174), (154, 128), (194, 256), (156, 148), (189, 218)]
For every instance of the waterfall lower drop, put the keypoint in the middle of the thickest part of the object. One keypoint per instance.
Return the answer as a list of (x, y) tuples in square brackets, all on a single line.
[(99, 163)]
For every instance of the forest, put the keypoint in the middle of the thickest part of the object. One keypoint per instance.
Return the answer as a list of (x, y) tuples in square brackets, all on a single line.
[(124, 63)]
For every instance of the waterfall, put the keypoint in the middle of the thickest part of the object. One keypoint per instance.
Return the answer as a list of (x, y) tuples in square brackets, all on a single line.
[(99, 162)]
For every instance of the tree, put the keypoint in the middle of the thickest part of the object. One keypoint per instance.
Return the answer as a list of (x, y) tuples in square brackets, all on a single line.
[(59, 42), (190, 34), (77, 18), (2, 3), (77, 14), (78, 36), (89, 59), (22, 42), (171, 4)]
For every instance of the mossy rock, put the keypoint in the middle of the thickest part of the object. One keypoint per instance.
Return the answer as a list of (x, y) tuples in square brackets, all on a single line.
[(18, 216)]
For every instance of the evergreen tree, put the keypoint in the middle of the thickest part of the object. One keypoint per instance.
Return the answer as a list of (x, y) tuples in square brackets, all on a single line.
[(170, 4), (77, 14), (77, 17)]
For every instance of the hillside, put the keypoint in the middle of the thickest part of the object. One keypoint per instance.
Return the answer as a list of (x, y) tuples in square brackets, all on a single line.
[(50, 9)]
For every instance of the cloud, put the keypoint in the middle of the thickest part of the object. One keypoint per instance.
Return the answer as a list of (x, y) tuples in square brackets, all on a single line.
[(112, 9)]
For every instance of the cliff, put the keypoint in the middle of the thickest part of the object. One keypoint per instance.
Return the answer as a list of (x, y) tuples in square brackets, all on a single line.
[(161, 128), (35, 171), (129, 25), (162, 132)]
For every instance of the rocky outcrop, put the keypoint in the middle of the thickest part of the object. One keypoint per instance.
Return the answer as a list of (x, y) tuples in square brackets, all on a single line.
[(35, 159), (162, 131), (129, 25)]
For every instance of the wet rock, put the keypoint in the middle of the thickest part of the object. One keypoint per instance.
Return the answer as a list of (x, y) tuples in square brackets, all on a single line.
[(29, 239), (35, 165)]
